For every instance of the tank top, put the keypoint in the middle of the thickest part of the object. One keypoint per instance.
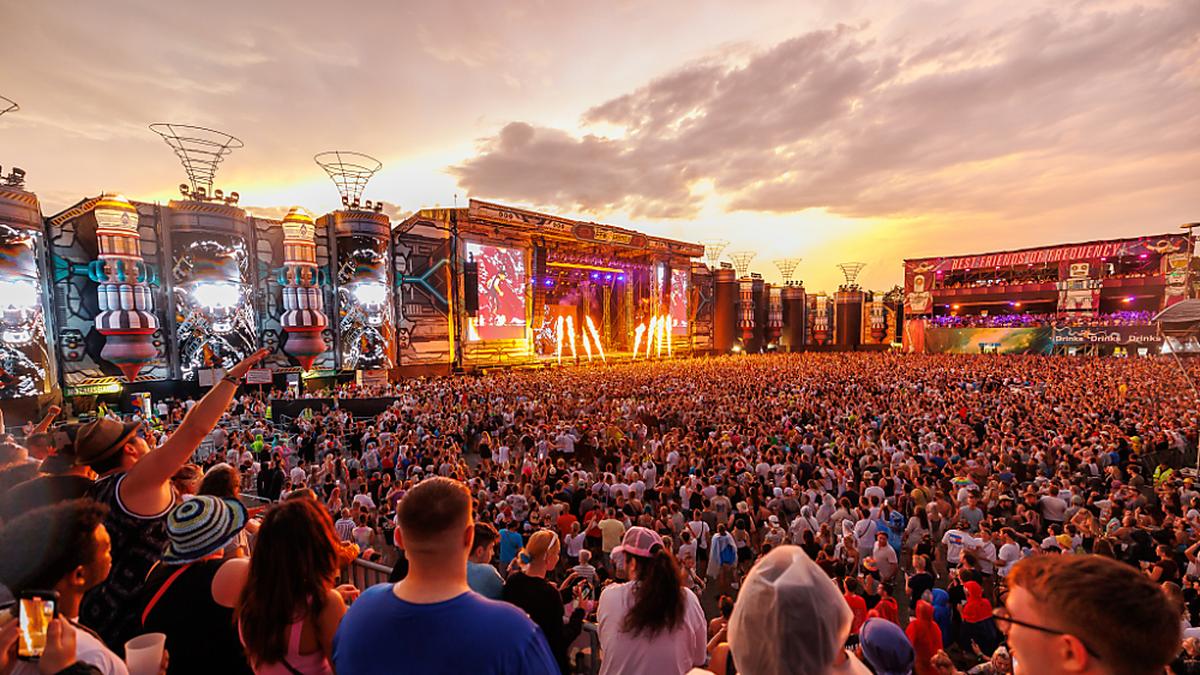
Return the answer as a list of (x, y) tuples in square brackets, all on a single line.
[(295, 663), (200, 634)]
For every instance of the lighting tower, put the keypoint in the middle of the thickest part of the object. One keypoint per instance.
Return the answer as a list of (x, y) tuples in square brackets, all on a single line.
[(350, 172), (741, 261), (201, 151), (713, 248), (787, 267), (850, 271)]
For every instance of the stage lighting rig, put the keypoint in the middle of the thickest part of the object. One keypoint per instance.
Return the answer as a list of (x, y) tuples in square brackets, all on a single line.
[(787, 267), (350, 172), (850, 271), (741, 261), (200, 150)]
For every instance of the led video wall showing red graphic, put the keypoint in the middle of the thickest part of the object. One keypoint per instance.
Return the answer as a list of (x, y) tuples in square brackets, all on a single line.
[(501, 291), (679, 302)]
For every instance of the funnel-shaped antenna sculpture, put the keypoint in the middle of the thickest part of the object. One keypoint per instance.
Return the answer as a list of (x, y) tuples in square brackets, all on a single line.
[(741, 261), (786, 267), (713, 248), (8, 105), (199, 149), (350, 172), (850, 271)]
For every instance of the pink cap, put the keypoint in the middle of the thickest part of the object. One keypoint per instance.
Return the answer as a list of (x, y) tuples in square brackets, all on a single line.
[(638, 541)]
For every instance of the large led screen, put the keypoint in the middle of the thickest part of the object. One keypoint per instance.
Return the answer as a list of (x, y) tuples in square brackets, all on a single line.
[(24, 358), (214, 309), (367, 321), (501, 291), (679, 302)]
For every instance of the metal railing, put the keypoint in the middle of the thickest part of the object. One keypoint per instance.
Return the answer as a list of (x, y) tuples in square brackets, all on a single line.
[(364, 574)]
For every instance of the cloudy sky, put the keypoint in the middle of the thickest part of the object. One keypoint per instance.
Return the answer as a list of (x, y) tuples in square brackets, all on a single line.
[(849, 130)]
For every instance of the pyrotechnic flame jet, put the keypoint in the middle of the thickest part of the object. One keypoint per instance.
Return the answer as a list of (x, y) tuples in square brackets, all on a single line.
[(558, 330), (596, 338), (571, 334)]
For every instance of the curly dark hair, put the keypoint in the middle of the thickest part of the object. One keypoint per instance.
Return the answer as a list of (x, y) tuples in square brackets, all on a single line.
[(46, 544)]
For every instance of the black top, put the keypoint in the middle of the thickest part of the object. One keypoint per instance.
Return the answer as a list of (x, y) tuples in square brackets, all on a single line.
[(544, 604), (918, 584), (201, 635), (111, 609)]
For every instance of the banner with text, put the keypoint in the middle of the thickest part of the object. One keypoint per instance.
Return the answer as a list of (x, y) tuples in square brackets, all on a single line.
[(1107, 335)]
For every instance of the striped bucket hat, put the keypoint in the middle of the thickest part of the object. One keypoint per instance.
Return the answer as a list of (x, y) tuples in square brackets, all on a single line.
[(201, 525)]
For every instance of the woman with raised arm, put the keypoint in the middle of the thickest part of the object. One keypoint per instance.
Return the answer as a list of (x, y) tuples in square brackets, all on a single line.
[(135, 484)]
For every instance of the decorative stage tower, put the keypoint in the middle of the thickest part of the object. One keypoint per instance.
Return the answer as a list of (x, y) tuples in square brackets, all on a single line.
[(790, 334), (303, 318), (741, 264), (126, 319), (878, 327), (26, 366), (848, 307), (786, 267), (362, 240), (209, 237), (820, 324)]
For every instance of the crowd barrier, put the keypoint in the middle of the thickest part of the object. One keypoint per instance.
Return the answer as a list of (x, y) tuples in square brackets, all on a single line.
[(358, 407)]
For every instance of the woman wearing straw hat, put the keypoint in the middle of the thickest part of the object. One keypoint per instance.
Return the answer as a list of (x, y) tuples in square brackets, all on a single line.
[(185, 595)]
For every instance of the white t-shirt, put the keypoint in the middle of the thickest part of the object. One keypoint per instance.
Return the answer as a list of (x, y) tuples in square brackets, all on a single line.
[(669, 653), (1054, 509), (700, 532), (88, 650), (955, 541), (1010, 553), (885, 558), (987, 556), (566, 443), (575, 544)]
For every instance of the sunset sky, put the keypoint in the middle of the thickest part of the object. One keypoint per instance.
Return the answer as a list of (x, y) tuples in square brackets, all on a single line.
[(848, 130)]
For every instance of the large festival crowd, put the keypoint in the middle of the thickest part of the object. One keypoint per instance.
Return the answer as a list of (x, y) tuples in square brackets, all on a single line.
[(813, 513)]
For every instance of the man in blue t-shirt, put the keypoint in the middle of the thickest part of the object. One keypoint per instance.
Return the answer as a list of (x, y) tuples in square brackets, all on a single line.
[(510, 544), (431, 622)]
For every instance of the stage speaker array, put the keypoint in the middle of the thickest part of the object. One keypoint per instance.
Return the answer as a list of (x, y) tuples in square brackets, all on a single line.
[(539, 263), (471, 287)]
